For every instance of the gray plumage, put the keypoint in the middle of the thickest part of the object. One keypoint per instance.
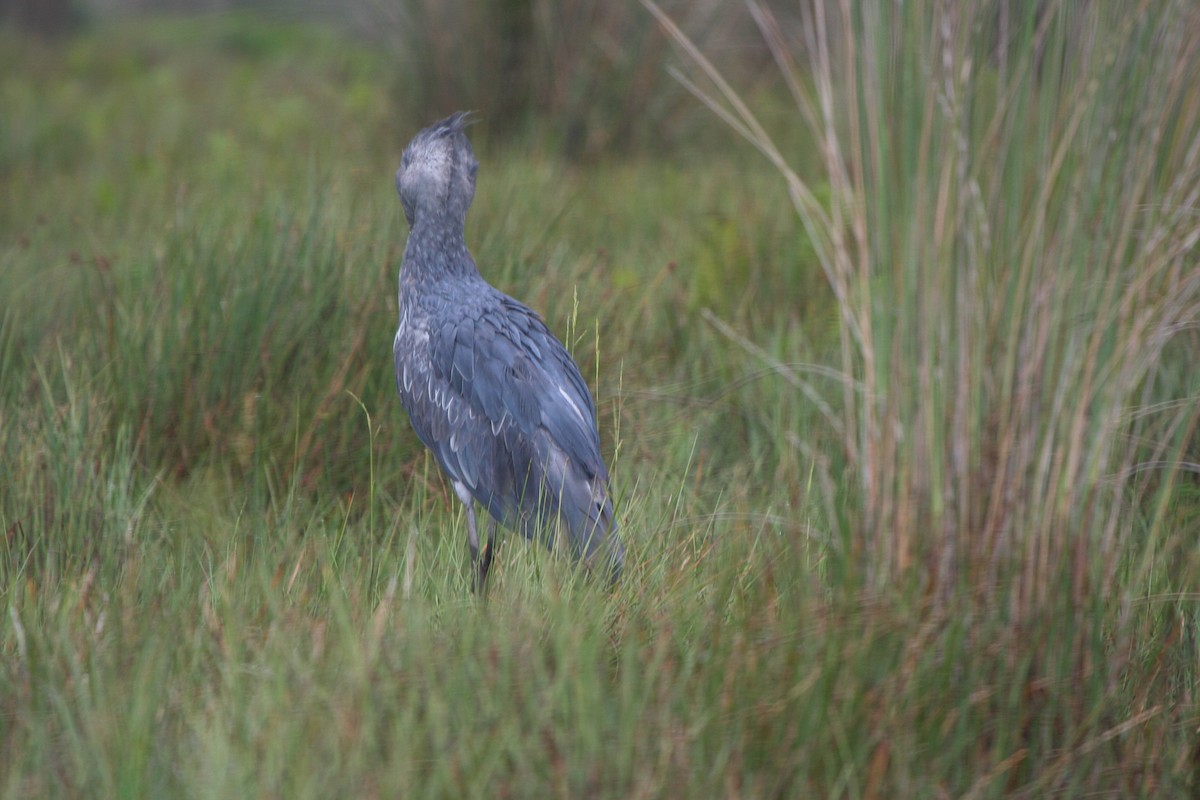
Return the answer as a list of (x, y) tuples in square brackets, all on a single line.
[(487, 386)]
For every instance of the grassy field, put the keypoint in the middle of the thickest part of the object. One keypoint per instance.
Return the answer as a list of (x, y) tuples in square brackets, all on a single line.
[(903, 429)]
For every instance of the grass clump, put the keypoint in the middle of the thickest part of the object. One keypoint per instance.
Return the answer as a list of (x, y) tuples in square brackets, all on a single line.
[(1011, 242)]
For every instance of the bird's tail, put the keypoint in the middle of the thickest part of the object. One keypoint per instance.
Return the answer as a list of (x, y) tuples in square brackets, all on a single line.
[(586, 511), (592, 528)]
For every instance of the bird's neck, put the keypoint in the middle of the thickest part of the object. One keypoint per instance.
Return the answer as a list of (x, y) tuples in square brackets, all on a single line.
[(436, 249)]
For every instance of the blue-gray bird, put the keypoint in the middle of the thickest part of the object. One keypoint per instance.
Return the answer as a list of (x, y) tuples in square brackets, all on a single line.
[(487, 386)]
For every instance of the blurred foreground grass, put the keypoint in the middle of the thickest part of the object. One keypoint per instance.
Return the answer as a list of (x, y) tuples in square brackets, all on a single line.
[(229, 569)]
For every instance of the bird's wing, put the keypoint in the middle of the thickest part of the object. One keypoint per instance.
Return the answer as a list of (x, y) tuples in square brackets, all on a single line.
[(445, 421), (505, 364), (504, 409)]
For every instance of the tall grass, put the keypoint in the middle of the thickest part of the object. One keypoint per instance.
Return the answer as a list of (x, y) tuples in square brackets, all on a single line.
[(1012, 251), (1011, 241)]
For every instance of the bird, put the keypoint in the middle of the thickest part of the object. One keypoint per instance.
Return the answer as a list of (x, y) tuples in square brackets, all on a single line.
[(492, 393)]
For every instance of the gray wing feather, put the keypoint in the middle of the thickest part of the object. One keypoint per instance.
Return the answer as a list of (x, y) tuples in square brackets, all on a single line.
[(505, 409)]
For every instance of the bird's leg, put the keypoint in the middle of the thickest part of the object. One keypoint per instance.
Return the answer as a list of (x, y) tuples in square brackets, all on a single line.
[(480, 567), (489, 550), (472, 533), (480, 562)]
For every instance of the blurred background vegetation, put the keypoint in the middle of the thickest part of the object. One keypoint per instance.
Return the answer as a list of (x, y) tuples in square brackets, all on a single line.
[(894, 356), (595, 68)]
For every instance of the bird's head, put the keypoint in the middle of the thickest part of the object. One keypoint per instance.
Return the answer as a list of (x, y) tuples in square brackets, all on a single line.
[(437, 172)]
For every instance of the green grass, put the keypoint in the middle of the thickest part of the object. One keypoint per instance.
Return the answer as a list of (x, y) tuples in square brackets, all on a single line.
[(228, 568)]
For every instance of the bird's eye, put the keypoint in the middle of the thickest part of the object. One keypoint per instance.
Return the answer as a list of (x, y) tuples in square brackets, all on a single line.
[(405, 159)]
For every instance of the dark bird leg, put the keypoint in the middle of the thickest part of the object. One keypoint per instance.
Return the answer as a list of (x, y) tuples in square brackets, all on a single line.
[(480, 567), (480, 562), (484, 563)]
